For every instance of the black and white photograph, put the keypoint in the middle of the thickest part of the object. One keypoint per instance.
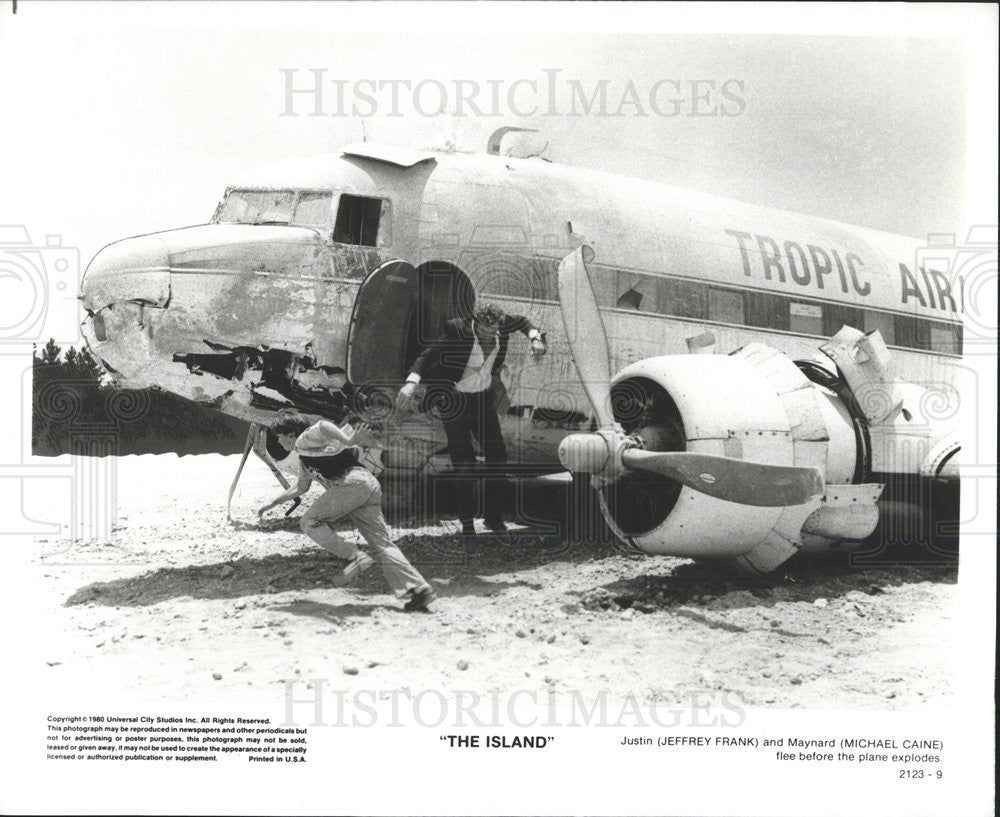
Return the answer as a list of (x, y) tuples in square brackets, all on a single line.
[(545, 407)]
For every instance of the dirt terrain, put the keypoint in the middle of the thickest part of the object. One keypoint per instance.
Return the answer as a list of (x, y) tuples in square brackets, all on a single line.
[(183, 605)]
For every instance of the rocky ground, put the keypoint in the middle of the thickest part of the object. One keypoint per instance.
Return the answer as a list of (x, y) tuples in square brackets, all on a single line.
[(183, 605)]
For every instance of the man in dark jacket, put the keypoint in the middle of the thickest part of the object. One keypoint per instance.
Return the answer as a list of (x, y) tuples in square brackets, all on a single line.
[(466, 359)]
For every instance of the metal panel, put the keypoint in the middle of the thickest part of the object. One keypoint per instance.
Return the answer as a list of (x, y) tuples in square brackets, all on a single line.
[(390, 154)]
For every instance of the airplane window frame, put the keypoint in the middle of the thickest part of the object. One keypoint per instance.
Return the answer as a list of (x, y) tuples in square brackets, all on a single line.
[(731, 293), (682, 298), (797, 322), (383, 227), (315, 191), (873, 319), (767, 310), (244, 194)]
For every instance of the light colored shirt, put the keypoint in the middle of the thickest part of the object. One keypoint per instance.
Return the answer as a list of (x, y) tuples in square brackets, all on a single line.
[(534, 334), (478, 374)]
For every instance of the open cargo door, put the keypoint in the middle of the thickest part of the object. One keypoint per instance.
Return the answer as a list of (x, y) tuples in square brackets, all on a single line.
[(380, 326)]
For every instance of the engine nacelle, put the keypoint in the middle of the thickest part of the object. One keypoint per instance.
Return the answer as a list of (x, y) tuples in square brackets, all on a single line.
[(755, 404)]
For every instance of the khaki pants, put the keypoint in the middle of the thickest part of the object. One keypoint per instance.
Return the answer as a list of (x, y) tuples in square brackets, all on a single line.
[(358, 496)]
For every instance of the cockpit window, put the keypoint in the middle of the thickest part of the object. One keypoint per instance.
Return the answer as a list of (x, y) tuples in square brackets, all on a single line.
[(313, 209), (305, 207)]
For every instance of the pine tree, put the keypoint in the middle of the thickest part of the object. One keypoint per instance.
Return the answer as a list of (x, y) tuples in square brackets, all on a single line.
[(87, 365), (50, 354)]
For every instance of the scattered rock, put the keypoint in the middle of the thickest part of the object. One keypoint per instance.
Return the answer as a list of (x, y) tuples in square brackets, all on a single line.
[(227, 571), (217, 676), (820, 603), (550, 640), (796, 680), (822, 640), (462, 664), (584, 639), (521, 634), (350, 670), (629, 613), (890, 694)]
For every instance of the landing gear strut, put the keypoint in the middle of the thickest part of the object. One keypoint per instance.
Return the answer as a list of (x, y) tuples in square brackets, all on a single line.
[(257, 442)]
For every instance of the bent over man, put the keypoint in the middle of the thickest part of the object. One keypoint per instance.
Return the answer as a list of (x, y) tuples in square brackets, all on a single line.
[(468, 357), (327, 455)]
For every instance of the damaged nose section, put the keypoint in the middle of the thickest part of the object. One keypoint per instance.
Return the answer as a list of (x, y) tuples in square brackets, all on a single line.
[(125, 289)]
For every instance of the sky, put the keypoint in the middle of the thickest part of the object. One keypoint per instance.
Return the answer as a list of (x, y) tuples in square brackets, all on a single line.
[(126, 122)]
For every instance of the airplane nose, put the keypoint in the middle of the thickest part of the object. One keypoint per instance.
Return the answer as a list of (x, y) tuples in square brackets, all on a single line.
[(125, 286), (136, 269)]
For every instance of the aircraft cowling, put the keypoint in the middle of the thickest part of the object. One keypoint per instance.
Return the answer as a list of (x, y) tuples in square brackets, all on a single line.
[(754, 404)]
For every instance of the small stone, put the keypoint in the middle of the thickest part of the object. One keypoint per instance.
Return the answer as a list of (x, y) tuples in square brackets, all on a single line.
[(627, 614), (217, 676), (521, 634), (550, 640), (775, 622), (822, 640), (350, 670), (584, 639), (227, 571), (797, 680), (463, 664), (820, 603), (890, 694)]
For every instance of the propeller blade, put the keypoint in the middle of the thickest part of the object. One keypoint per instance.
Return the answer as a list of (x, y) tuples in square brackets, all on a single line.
[(585, 330), (747, 483)]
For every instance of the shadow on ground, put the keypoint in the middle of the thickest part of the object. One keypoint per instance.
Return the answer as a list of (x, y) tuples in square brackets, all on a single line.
[(802, 579), (457, 567)]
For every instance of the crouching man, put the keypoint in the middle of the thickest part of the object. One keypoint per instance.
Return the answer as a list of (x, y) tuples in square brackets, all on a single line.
[(328, 456)]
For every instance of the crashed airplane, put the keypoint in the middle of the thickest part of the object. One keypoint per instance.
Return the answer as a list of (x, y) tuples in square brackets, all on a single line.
[(740, 383)]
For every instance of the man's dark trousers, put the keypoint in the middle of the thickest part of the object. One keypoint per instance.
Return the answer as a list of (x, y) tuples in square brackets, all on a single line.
[(468, 415)]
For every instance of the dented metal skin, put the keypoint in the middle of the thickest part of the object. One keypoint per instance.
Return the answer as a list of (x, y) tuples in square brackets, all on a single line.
[(249, 317)]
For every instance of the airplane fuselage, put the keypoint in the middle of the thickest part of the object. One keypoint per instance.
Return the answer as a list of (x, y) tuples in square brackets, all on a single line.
[(254, 310)]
